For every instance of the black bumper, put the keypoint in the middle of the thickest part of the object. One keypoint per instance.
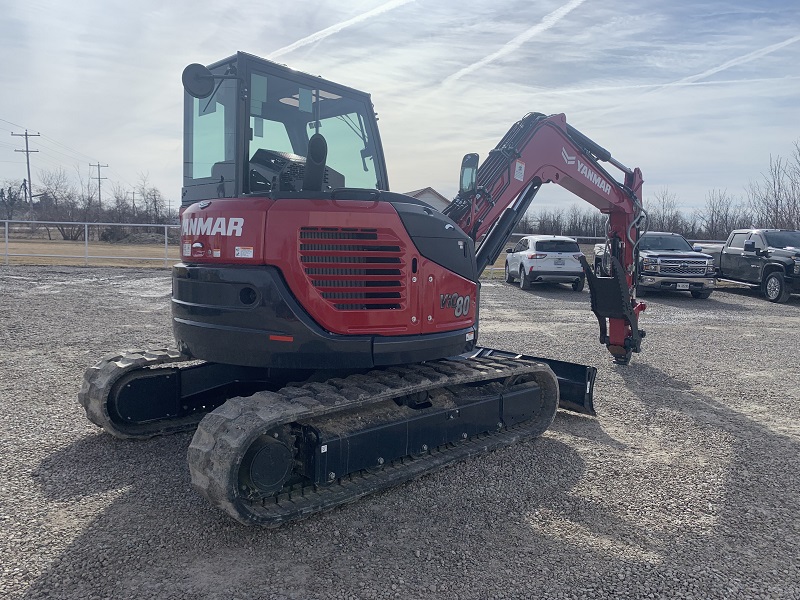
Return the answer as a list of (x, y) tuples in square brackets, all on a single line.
[(248, 316)]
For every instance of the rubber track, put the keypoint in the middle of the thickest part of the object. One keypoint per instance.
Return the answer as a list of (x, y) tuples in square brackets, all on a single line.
[(225, 434), (99, 379)]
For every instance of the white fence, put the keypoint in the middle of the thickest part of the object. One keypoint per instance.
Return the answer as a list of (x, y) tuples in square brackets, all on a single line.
[(15, 232), (22, 231)]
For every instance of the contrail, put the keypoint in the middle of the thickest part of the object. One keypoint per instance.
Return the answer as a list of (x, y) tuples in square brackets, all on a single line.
[(736, 61), (546, 23), (315, 37), (695, 79), (656, 86)]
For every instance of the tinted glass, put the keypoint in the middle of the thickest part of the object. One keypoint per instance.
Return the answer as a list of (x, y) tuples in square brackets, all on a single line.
[(210, 133), (737, 241), (783, 239), (664, 242), (557, 246), (284, 114)]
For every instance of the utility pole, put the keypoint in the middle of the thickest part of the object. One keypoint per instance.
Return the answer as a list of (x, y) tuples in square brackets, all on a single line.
[(29, 189), (99, 195), (133, 201)]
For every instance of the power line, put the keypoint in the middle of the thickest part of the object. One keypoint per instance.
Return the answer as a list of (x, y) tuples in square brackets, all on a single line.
[(99, 195), (29, 187), (10, 123), (57, 143)]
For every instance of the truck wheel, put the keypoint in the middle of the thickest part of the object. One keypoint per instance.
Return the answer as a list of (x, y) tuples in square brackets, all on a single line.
[(577, 285), (700, 295), (509, 276), (640, 291), (775, 288), (524, 282)]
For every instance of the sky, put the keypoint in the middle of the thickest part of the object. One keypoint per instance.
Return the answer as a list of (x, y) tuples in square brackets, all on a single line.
[(698, 94)]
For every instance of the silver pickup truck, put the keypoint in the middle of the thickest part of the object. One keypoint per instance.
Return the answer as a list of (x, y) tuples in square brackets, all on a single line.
[(667, 262)]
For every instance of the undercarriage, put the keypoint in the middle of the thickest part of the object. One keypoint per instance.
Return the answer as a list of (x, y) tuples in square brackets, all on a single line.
[(274, 445)]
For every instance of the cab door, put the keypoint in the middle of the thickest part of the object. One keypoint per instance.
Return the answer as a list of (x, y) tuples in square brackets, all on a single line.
[(732, 261), (752, 262), (515, 258)]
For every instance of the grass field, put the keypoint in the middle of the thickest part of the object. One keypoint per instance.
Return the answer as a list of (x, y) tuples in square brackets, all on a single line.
[(61, 252)]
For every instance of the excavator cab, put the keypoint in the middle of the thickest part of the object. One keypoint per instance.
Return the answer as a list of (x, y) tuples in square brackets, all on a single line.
[(248, 123)]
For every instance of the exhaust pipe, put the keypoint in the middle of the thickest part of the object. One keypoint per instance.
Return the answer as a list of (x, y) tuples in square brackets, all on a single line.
[(314, 172)]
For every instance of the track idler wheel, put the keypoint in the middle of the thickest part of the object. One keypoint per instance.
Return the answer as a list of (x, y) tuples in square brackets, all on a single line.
[(237, 459), (266, 466)]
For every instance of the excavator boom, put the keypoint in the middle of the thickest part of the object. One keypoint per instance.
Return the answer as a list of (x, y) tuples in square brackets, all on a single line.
[(545, 149)]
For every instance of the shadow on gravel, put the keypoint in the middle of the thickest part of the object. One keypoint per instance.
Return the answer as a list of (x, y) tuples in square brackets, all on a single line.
[(562, 292), (744, 292), (585, 427), (686, 302), (145, 533), (751, 522)]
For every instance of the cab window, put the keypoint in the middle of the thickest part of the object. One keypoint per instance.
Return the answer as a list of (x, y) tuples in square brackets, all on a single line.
[(737, 241)]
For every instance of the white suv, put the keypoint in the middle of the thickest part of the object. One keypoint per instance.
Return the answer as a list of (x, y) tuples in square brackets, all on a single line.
[(545, 258)]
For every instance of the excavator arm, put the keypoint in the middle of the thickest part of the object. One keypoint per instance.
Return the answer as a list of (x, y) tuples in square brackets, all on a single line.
[(538, 149)]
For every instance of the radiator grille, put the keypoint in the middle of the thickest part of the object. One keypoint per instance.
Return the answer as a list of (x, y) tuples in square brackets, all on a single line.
[(353, 268), (679, 267)]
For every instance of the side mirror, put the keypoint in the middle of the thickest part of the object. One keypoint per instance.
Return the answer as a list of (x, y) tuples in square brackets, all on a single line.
[(750, 246), (469, 175), (509, 250), (198, 81), (697, 248)]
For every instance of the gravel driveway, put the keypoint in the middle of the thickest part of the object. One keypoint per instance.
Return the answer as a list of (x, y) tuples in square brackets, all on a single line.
[(686, 485)]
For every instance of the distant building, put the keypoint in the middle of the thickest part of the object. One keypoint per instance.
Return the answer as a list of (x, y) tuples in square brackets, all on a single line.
[(431, 196)]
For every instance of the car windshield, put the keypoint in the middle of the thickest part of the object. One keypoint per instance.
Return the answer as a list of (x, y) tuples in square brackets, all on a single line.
[(664, 242), (783, 239), (557, 246)]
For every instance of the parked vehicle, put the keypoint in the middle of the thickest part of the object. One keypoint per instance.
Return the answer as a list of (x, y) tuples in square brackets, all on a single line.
[(667, 262), (766, 258), (551, 258)]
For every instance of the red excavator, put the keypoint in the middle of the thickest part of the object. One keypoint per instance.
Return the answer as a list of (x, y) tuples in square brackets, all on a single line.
[(325, 327)]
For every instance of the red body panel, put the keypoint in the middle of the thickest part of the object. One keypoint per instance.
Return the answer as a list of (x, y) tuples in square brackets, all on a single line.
[(350, 264)]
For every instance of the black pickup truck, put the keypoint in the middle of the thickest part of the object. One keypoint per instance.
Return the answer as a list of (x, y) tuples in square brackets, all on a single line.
[(767, 258)]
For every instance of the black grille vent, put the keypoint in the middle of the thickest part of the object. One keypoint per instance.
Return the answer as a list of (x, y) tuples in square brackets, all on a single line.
[(366, 275)]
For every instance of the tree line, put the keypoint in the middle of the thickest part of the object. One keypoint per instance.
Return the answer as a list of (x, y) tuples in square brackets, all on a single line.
[(773, 202), (59, 197)]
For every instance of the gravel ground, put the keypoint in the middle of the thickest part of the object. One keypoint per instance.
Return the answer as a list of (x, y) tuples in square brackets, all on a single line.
[(685, 486)]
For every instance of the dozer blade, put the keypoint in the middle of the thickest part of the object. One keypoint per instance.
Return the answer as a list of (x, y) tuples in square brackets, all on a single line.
[(279, 456), (575, 381)]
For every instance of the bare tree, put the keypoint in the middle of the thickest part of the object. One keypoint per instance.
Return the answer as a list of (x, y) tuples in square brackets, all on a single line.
[(62, 201), (775, 200), (721, 214), (11, 198), (121, 211), (663, 213), (550, 222), (152, 200)]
